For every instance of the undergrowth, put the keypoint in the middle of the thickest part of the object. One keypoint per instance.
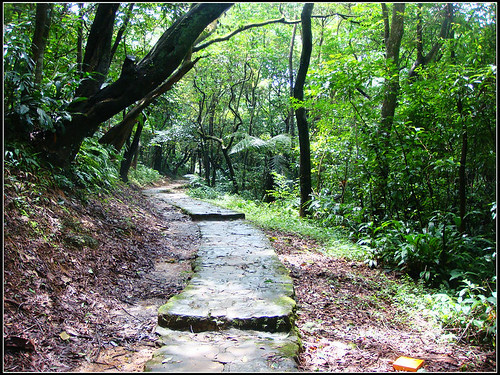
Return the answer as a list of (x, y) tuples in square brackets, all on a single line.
[(95, 170), (463, 302)]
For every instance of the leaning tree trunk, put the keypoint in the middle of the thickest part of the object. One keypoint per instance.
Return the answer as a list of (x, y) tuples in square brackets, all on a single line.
[(300, 113), (134, 83), (118, 134)]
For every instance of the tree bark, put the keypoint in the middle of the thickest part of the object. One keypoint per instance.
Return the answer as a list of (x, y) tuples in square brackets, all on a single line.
[(97, 56), (130, 152), (150, 72), (300, 113), (291, 122), (462, 180), (157, 158), (40, 36), (79, 40), (119, 35), (393, 37)]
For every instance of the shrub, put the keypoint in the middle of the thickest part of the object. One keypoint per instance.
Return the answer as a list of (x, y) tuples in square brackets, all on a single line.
[(94, 168), (434, 253), (471, 313), (143, 176)]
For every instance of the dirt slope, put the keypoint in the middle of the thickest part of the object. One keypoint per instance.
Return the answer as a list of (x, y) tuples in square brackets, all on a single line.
[(80, 288)]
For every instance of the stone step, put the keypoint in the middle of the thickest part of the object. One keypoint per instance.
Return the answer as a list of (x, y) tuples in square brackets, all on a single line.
[(238, 282), (196, 209), (230, 350)]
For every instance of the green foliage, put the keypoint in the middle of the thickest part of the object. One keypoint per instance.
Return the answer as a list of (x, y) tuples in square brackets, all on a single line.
[(285, 193), (470, 314), (433, 254), (143, 176), (199, 189), (28, 106), (26, 174), (95, 166)]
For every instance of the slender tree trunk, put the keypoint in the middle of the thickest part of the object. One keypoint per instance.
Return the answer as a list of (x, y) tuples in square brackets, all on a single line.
[(462, 180), (157, 156), (231, 170), (119, 35), (300, 113), (393, 37), (291, 120), (79, 41), (444, 33), (40, 36), (128, 156), (185, 158)]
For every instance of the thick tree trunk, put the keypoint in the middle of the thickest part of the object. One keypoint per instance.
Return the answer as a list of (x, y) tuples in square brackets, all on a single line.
[(134, 84), (40, 36), (300, 113), (98, 50)]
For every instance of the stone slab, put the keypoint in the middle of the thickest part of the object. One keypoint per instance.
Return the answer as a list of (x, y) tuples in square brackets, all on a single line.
[(196, 209), (230, 350), (237, 312), (238, 282)]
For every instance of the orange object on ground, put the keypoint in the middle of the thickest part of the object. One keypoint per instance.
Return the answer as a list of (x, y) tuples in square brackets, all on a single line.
[(407, 364)]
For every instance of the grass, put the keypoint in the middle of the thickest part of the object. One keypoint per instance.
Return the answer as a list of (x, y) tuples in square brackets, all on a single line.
[(282, 218)]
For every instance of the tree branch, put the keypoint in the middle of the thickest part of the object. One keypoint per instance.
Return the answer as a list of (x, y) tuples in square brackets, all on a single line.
[(237, 31), (119, 133)]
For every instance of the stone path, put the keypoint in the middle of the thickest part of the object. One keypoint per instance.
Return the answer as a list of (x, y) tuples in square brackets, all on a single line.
[(237, 312)]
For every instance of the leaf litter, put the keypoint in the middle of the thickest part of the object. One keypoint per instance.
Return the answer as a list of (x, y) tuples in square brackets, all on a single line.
[(83, 280), (348, 321)]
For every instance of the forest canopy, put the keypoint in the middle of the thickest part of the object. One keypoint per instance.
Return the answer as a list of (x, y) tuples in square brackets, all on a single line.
[(399, 104)]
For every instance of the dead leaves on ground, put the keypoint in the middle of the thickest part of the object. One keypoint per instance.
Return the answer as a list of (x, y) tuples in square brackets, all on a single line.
[(349, 323), (69, 265)]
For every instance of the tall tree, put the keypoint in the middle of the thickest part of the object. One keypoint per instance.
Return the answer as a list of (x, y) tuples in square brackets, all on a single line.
[(300, 112), (135, 82), (393, 35)]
